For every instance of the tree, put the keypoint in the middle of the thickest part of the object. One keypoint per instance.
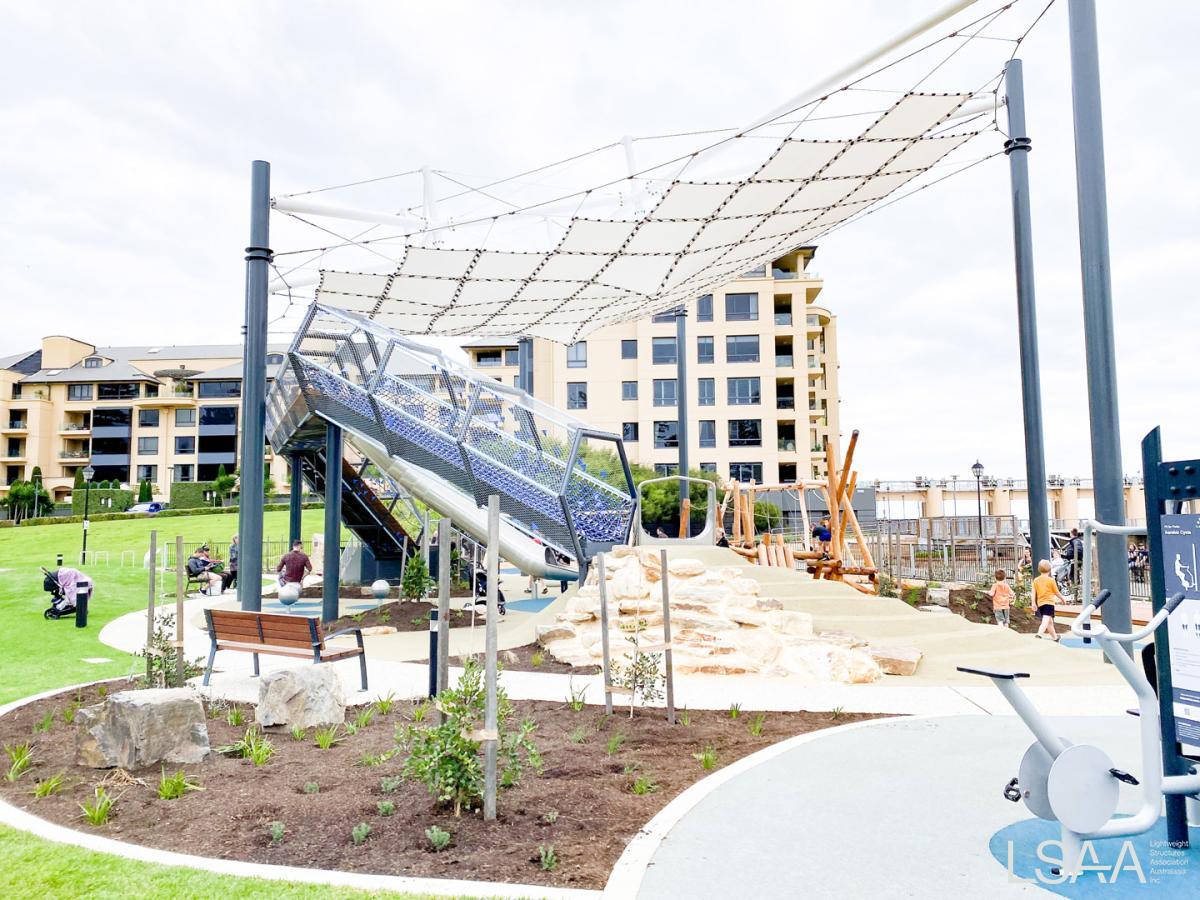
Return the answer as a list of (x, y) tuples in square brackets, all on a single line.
[(145, 495), (223, 483), (416, 582), (268, 487), (79, 482), (20, 500)]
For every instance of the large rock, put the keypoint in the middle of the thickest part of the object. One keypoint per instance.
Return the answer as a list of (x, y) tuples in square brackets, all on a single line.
[(136, 729), (685, 568), (791, 622), (306, 696), (896, 660)]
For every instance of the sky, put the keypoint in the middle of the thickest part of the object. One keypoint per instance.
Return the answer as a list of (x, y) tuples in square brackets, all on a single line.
[(129, 129)]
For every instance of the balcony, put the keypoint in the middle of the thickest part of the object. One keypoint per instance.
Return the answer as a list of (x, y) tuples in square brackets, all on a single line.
[(783, 318), (784, 274), (787, 444), (784, 360), (785, 402), (74, 454), (16, 425), (75, 428)]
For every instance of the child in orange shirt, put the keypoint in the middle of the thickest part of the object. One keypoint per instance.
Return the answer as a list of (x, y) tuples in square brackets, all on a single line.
[(1002, 596), (1045, 590)]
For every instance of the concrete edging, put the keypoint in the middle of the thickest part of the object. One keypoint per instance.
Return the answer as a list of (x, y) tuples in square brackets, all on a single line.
[(630, 869), (21, 820)]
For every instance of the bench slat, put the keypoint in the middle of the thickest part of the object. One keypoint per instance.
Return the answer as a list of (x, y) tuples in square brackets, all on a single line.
[(251, 636), (270, 649)]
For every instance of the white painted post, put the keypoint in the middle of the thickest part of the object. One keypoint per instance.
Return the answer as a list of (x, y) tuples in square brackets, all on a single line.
[(491, 717), (179, 663), (604, 634), (150, 606), (667, 659)]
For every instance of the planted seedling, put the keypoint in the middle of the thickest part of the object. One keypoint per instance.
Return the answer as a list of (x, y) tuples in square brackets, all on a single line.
[(537, 659), (756, 725), (735, 710), (548, 858), (614, 743), (370, 760), (298, 733), (438, 838), (172, 787), (579, 735), (46, 723), (385, 807), (550, 817), (707, 758), (390, 783), (417, 714), (235, 717), (575, 698), (630, 768), (252, 746), (359, 833), (48, 786), (20, 758), (69, 712), (384, 705), (685, 717), (102, 691), (311, 787), (98, 810), (643, 785), (327, 737), (364, 717), (276, 830), (836, 713), (351, 729)]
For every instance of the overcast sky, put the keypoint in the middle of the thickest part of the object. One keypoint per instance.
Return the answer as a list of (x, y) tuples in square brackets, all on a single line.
[(128, 129)]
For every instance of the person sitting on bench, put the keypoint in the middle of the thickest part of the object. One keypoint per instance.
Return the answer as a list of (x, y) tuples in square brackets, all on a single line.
[(199, 567), (294, 565)]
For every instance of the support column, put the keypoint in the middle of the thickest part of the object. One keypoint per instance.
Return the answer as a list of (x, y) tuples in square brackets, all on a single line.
[(295, 500), (1097, 309), (1017, 149), (525, 364), (254, 391), (681, 390), (331, 578)]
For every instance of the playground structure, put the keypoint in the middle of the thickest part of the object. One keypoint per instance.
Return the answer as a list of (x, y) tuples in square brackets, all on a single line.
[(845, 561)]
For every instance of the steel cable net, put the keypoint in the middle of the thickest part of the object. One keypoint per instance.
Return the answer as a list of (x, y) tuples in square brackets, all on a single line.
[(645, 224), (474, 434)]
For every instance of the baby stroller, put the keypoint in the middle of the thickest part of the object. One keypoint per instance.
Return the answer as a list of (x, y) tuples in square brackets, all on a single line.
[(481, 586), (63, 586)]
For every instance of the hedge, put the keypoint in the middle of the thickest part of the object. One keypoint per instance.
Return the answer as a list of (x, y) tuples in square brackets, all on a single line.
[(165, 514), (121, 500), (190, 494)]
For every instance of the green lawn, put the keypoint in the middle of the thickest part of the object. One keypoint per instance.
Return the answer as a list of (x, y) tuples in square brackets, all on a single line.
[(36, 654)]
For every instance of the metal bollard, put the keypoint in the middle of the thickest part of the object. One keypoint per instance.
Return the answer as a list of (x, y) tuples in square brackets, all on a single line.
[(433, 652), (81, 606), (59, 562)]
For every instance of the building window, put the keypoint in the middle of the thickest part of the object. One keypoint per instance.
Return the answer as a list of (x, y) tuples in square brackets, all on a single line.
[(576, 395), (663, 470), (708, 432), (745, 432), (512, 356), (629, 431), (218, 415), (112, 418), (741, 307), (274, 359), (740, 348), (744, 472), (664, 351), (629, 390), (487, 358), (16, 391), (705, 352), (117, 390), (185, 446), (147, 473), (664, 392), (704, 309), (706, 392), (666, 435), (220, 388), (664, 317), (577, 355), (79, 392), (629, 349), (185, 417), (183, 473), (147, 446), (152, 389), (147, 418), (93, 362), (708, 467), (743, 391)]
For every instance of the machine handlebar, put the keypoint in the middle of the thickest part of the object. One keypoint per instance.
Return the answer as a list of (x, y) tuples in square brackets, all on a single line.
[(1173, 602), (1101, 597)]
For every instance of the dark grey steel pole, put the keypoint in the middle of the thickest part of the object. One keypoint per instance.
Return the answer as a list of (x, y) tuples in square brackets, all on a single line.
[(525, 364), (681, 392), (331, 575), (1017, 148), (295, 501), (1107, 477), (254, 391)]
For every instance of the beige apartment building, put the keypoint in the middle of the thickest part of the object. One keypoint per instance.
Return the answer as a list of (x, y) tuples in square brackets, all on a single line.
[(164, 414), (762, 376)]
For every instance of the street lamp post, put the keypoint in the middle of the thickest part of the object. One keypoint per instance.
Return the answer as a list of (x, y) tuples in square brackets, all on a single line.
[(977, 471), (88, 474)]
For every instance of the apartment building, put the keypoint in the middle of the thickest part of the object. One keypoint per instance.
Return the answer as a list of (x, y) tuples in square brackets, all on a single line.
[(761, 369), (164, 414)]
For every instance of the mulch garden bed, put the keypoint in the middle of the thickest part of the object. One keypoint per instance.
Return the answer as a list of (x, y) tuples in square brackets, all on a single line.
[(975, 606), (581, 803), (403, 615)]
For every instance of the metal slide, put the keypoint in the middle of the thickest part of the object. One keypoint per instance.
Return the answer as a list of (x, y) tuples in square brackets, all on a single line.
[(453, 438)]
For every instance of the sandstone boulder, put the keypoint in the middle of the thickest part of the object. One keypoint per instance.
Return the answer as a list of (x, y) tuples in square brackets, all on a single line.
[(547, 633), (685, 568), (896, 660), (791, 622), (136, 729), (307, 696)]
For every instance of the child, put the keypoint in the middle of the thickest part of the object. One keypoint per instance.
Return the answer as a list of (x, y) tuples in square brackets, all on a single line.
[(1045, 589), (825, 537), (1002, 596)]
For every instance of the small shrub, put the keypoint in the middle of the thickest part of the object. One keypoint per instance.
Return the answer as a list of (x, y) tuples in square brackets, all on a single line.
[(172, 787), (359, 833), (364, 717), (614, 743), (48, 786), (298, 733), (756, 726), (385, 807), (579, 735), (384, 705), (20, 758), (438, 838), (389, 784), (641, 677), (537, 659), (276, 830), (643, 785), (417, 581), (548, 858), (885, 586), (707, 758), (327, 737), (46, 723), (311, 787), (235, 717), (735, 710), (550, 817), (98, 810)]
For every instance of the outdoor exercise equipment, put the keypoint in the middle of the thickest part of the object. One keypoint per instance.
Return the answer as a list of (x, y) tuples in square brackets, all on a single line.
[(1077, 785)]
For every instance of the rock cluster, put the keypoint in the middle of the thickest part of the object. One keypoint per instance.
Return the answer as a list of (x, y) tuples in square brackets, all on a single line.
[(720, 625), (135, 729), (308, 696)]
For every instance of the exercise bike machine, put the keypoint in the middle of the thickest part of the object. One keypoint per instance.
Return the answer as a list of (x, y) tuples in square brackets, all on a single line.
[(1076, 785)]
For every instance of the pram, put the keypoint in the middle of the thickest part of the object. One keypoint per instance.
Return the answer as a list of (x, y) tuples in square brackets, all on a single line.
[(63, 585), (481, 584)]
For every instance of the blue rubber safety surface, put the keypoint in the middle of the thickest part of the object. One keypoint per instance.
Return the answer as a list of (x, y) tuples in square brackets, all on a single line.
[(530, 604), (1139, 866)]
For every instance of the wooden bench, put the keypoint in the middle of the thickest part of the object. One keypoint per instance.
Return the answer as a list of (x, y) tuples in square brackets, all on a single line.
[(278, 635)]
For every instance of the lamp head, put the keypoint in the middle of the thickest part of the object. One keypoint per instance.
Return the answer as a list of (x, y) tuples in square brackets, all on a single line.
[(88, 474), (977, 469)]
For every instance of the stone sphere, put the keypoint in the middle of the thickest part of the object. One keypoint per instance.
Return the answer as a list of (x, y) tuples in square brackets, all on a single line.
[(289, 593), (380, 589)]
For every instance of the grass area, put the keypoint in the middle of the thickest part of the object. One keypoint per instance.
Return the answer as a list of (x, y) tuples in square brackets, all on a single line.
[(32, 867), (36, 654)]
